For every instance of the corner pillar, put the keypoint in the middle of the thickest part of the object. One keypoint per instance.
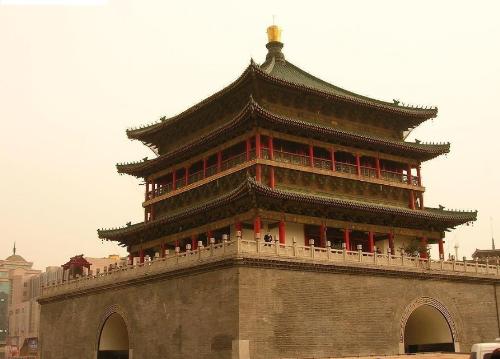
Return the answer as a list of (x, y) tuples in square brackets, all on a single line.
[(347, 239), (281, 232), (371, 242)]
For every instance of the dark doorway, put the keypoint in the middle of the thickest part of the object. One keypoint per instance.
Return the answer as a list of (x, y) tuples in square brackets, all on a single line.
[(113, 341)]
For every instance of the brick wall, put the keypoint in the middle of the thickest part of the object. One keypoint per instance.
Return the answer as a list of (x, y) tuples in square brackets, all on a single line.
[(289, 313), (283, 311), (184, 317)]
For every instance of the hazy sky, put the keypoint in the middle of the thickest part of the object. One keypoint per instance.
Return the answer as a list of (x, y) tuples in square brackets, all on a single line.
[(73, 78)]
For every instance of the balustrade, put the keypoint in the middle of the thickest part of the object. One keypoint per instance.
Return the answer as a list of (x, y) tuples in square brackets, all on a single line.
[(258, 248), (289, 158)]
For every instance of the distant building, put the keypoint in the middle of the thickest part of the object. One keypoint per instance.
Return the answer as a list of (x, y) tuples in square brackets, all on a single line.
[(16, 311), (20, 287), (492, 256)]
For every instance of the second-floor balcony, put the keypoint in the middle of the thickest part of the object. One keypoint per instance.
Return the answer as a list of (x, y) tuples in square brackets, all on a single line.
[(370, 168)]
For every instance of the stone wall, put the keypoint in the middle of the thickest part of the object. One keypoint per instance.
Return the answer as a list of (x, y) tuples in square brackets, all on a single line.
[(192, 316), (283, 309), (302, 314)]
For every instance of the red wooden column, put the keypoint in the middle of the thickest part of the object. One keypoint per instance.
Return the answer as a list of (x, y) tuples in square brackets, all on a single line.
[(371, 242), (423, 247), (256, 226), (419, 176), (347, 239), (332, 158), (141, 256), (270, 146), (412, 200), (441, 248), (248, 148), (238, 227), (257, 146), (194, 242), (209, 235), (130, 256), (205, 167), (377, 166), (151, 212), (322, 236), (311, 155), (258, 169), (409, 176), (174, 180), (358, 164), (219, 161), (281, 232), (146, 195), (391, 243), (186, 176), (162, 250)]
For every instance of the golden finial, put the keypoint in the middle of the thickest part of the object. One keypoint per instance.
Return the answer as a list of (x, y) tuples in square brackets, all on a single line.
[(274, 33)]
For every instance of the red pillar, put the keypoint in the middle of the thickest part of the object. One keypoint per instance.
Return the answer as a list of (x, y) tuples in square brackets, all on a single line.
[(248, 148), (322, 236), (371, 242), (412, 200), (347, 239), (421, 200), (219, 161), (141, 256), (358, 164), (146, 195), (257, 145), (204, 168), (332, 158), (377, 166), (162, 250), (271, 177), (423, 247), (174, 180), (209, 235), (270, 145), (409, 177), (441, 248), (419, 178), (186, 175), (194, 242), (256, 226), (258, 169), (130, 257), (311, 155), (151, 212), (391, 243), (281, 232)]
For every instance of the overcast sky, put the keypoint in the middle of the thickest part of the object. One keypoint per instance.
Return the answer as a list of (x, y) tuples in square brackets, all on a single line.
[(73, 78)]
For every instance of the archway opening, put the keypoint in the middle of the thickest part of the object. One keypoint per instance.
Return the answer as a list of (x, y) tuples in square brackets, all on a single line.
[(113, 341), (427, 330)]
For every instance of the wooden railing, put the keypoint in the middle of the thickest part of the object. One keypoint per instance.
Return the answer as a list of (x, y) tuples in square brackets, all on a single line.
[(289, 158)]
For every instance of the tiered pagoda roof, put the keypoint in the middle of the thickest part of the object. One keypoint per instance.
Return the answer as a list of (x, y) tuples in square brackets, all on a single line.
[(252, 102), (286, 75), (264, 196), (253, 113)]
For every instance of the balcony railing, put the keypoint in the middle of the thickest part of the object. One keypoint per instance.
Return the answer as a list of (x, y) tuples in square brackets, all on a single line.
[(289, 158), (240, 248)]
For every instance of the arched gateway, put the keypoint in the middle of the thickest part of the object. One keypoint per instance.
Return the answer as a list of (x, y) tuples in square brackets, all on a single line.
[(427, 326), (113, 340)]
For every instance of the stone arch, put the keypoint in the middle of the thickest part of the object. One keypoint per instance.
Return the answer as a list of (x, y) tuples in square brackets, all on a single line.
[(426, 306), (117, 317)]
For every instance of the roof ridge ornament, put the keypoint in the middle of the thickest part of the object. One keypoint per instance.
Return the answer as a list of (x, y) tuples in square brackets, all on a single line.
[(274, 44)]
